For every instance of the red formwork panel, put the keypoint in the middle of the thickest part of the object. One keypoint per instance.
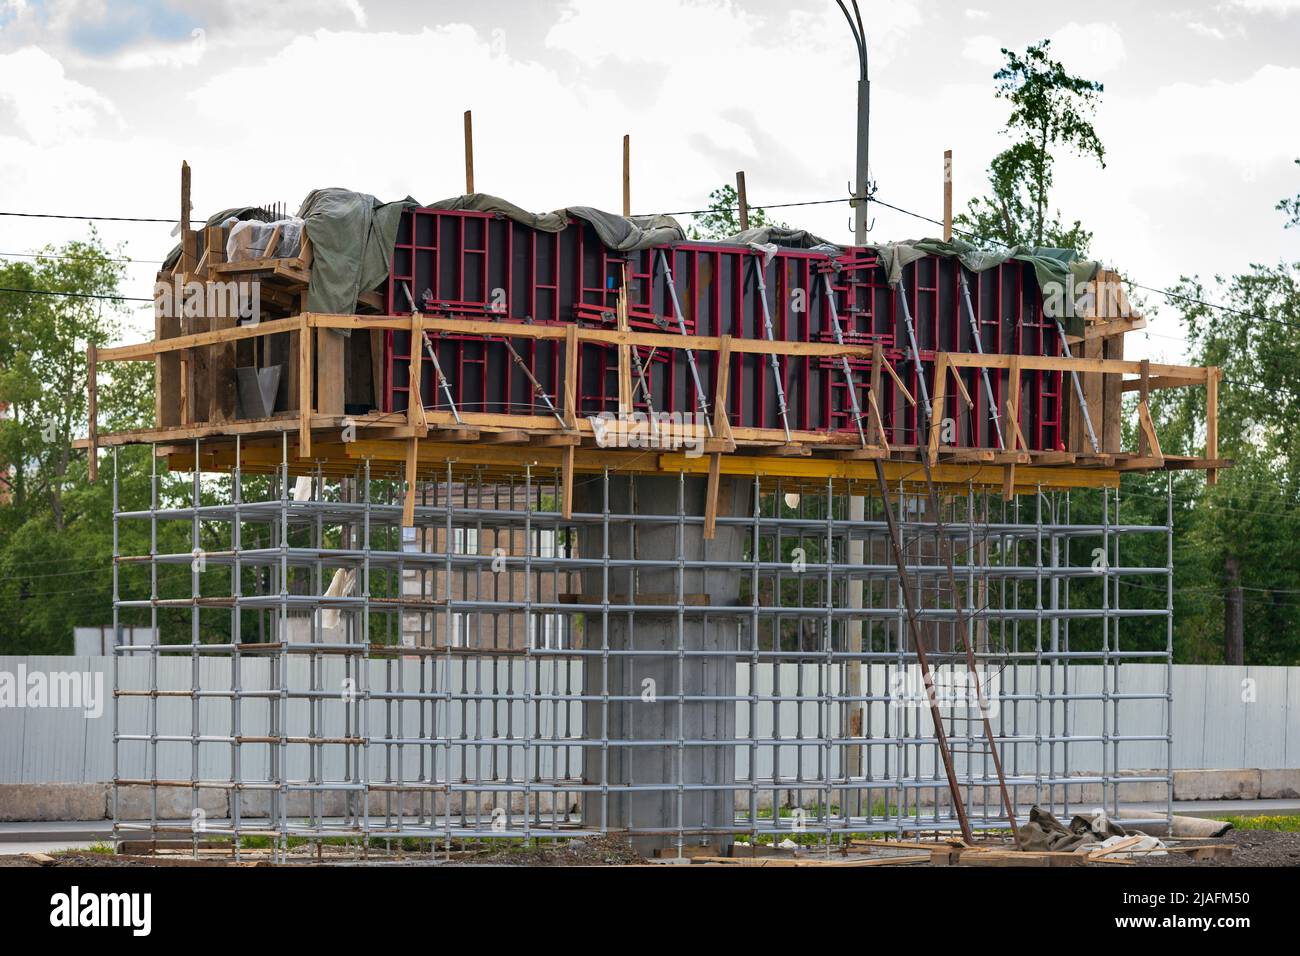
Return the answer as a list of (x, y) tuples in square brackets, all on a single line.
[(483, 265)]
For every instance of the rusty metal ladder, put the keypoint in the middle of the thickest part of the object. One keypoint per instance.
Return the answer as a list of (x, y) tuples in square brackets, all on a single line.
[(962, 625), (923, 654)]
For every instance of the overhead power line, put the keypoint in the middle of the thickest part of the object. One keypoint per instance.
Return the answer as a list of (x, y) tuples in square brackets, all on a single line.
[(77, 295)]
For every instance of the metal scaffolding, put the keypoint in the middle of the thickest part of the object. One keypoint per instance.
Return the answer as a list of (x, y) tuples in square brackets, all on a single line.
[(320, 672)]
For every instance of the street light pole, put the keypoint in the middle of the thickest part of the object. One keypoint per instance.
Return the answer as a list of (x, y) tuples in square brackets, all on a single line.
[(857, 503), (861, 186)]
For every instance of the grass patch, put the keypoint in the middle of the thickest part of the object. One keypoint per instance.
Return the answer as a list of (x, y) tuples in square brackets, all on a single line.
[(1285, 824)]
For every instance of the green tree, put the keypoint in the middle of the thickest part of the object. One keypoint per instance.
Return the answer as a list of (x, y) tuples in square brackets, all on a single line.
[(1291, 209), (1051, 110), (55, 526), (722, 221), (1251, 517)]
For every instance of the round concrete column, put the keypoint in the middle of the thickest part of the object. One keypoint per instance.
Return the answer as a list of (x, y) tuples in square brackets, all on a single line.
[(643, 734)]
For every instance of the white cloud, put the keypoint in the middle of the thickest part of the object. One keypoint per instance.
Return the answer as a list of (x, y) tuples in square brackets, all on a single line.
[(1091, 48), (1205, 30), (973, 14), (169, 55), (1278, 7), (48, 107), (983, 49)]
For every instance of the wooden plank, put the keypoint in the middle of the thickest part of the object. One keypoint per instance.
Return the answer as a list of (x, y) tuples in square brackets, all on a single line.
[(186, 390), (166, 366), (875, 431), (408, 502), (304, 389), (721, 427), (947, 195), (1012, 426), (879, 422), (469, 153), (571, 351), (627, 175), (1144, 395), (222, 360), (809, 862), (1212, 423), (143, 351), (377, 367), (416, 416), (330, 373), (92, 414), (624, 349), (742, 200), (660, 340), (1104, 330), (1110, 430), (937, 407), (1050, 363), (566, 482)]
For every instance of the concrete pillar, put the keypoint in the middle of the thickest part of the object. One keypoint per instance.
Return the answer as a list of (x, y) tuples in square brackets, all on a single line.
[(655, 679)]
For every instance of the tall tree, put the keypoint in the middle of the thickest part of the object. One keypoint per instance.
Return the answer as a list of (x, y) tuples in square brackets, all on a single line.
[(1244, 531), (1051, 110), (53, 314), (722, 221)]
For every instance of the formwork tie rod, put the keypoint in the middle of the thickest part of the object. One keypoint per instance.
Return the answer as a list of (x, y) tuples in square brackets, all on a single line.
[(701, 402), (979, 347), (433, 357), (771, 337), (844, 361)]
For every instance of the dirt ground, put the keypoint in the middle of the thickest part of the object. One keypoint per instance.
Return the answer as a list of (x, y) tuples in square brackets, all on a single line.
[(1250, 848), (589, 852), (1266, 848)]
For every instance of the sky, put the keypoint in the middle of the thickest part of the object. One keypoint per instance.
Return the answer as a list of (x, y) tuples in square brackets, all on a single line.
[(100, 100)]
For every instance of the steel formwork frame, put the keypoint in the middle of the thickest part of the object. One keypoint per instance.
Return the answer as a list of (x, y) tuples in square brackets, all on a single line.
[(480, 265), (440, 696)]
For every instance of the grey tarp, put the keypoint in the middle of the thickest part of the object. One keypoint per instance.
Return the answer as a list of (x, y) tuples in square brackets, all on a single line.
[(619, 233), (352, 236), (782, 236), (1058, 270)]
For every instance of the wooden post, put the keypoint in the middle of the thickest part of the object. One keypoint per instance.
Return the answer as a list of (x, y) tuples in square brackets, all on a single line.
[(331, 373), (875, 431), (1012, 429), (624, 350), (937, 406), (304, 387), (408, 502), (742, 200), (947, 195), (1144, 393), (1212, 422), (721, 427), (223, 392), (627, 174), (571, 347), (469, 153), (189, 258), (92, 411)]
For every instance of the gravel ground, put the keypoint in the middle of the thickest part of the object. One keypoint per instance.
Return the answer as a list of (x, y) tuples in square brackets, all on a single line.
[(591, 852), (1250, 848), (1266, 848)]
